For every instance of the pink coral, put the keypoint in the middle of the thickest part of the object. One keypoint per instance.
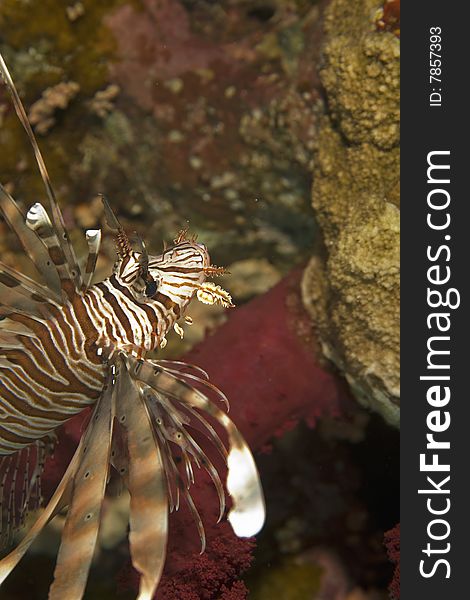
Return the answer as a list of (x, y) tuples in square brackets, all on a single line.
[(264, 360), (392, 542), (212, 575), (209, 576)]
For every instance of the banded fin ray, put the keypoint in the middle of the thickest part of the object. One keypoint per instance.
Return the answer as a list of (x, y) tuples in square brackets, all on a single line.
[(58, 501), (195, 513), (13, 327), (146, 482), (93, 238), (38, 221), (16, 304), (20, 483), (20, 293), (207, 464), (57, 218), (83, 517), (189, 447), (24, 285), (32, 245), (69, 572), (180, 366), (247, 515), (184, 376)]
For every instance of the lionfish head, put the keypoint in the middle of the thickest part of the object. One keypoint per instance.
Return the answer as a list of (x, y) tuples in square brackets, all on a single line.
[(173, 277)]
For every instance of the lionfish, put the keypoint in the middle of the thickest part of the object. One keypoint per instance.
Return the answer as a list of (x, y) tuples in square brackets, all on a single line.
[(66, 344)]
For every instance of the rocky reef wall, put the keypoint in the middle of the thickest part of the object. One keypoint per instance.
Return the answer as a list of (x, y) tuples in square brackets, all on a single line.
[(351, 285)]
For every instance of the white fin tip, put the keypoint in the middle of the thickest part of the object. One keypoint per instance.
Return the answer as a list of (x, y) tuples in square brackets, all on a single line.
[(36, 215), (92, 234), (248, 512)]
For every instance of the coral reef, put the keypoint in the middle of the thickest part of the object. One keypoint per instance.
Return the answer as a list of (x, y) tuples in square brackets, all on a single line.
[(207, 112), (41, 113), (44, 49), (210, 112), (351, 286), (234, 108), (102, 102)]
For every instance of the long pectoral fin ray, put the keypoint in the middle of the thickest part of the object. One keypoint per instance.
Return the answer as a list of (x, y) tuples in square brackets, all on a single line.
[(59, 499), (147, 487), (33, 246), (247, 515), (57, 217), (89, 484)]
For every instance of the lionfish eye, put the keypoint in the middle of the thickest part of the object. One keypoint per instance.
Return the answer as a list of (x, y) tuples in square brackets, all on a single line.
[(151, 288)]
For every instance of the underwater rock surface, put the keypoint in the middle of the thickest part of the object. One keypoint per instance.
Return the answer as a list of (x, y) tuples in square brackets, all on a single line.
[(351, 286)]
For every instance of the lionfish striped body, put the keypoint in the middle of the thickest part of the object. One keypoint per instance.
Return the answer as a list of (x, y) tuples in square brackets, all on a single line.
[(66, 344)]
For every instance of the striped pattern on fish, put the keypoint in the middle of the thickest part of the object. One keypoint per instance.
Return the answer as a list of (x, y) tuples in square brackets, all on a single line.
[(65, 344)]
